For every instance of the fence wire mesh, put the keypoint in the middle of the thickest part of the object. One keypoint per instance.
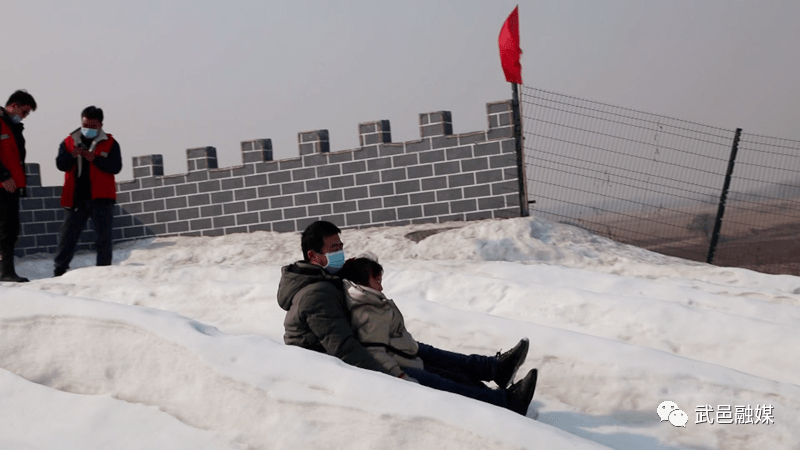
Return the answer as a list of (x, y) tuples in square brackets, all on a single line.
[(650, 180), (762, 213)]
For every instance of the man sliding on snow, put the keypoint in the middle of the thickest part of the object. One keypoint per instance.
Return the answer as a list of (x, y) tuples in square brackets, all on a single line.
[(317, 318)]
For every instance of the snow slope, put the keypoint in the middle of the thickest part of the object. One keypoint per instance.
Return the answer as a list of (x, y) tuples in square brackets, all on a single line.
[(179, 345)]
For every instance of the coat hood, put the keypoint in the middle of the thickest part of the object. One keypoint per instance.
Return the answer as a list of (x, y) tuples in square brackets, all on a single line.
[(357, 294), (299, 275)]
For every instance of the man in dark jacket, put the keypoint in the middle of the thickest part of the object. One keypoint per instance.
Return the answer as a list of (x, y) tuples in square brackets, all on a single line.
[(89, 159), (12, 177), (317, 318), (316, 314)]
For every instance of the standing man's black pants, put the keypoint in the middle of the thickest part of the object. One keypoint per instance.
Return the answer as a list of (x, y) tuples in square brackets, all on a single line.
[(9, 225), (102, 214)]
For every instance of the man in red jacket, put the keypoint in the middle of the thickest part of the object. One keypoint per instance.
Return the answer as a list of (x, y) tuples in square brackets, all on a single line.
[(12, 177), (89, 159)]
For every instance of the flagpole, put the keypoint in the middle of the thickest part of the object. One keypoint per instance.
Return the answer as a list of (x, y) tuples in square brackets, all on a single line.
[(522, 179)]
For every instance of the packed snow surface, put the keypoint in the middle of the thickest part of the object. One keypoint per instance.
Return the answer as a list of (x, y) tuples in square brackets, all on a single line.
[(179, 345)]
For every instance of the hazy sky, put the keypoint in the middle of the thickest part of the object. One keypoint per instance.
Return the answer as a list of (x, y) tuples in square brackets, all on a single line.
[(172, 75)]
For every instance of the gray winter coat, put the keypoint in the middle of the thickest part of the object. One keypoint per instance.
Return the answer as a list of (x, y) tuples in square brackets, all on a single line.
[(316, 315), (379, 326)]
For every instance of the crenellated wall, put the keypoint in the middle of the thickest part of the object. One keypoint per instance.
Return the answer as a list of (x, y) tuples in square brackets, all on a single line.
[(440, 177)]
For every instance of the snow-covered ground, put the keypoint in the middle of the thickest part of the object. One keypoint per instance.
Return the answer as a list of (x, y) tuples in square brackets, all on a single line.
[(178, 345)]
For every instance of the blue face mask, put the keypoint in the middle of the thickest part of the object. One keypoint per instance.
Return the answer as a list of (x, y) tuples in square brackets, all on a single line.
[(335, 261), (16, 119), (89, 133)]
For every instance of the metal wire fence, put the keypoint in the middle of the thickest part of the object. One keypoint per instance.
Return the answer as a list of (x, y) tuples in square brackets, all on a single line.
[(762, 213), (650, 180)]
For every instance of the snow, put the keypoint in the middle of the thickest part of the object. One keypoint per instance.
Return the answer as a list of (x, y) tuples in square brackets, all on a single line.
[(179, 345)]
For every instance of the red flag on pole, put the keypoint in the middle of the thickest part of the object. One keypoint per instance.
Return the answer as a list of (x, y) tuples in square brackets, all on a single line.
[(509, 48)]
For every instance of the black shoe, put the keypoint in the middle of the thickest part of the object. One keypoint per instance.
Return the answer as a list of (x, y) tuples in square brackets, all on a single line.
[(14, 277), (7, 270), (520, 394), (59, 271), (509, 362)]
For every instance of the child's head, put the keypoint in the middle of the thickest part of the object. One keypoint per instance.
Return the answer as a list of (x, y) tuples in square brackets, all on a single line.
[(364, 271)]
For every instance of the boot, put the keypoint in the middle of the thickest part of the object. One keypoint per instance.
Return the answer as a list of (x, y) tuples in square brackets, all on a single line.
[(8, 272), (509, 362), (519, 395)]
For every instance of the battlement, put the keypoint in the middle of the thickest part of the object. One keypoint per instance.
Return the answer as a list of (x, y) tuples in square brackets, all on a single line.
[(440, 177)]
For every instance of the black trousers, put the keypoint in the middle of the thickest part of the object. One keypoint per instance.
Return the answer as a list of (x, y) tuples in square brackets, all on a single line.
[(457, 373), (102, 214), (9, 223)]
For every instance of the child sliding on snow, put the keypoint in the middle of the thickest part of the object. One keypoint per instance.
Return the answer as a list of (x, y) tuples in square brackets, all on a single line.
[(379, 326)]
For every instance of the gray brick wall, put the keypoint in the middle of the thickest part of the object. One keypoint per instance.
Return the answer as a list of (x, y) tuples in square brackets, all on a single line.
[(441, 177)]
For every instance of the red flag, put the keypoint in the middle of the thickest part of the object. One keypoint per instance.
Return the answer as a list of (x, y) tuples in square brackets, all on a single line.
[(509, 48)]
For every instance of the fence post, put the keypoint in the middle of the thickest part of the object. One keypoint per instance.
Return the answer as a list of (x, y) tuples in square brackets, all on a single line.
[(523, 191), (721, 211)]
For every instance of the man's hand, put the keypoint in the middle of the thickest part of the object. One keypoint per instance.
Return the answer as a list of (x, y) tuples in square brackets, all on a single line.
[(10, 185), (76, 152), (88, 155)]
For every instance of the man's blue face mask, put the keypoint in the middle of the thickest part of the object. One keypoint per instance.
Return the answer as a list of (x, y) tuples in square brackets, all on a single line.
[(89, 133), (335, 261)]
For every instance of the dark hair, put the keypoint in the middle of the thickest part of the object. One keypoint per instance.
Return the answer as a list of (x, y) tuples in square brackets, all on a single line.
[(93, 113), (314, 236), (22, 98), (359, 270)]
